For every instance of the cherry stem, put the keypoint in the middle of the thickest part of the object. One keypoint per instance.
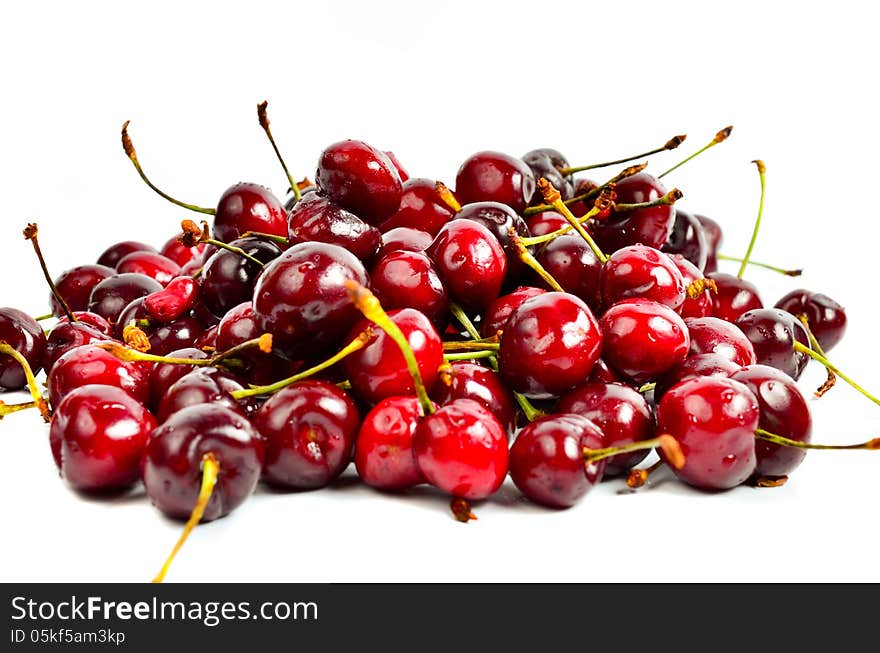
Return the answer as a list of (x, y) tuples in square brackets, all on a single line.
[(264, 123), (602, 203), (39, 402), (648, 387), (368, 304), (447, 196), (264, 343), (553, 198), (481, 344), (459, 314), (698, 286), (668, 199), (256, 390), (666, 442), (30, 233), (210, 472), (762, 173), (281, 240), (193, 235), (8, 409), (461, 509), (671, 144), (638, 477), (43, 318), (526, 257), (799, 346), (831, 378), (870, 445), (132, 155), (788, 273), (593, 192), (468, 355), (720, 137)]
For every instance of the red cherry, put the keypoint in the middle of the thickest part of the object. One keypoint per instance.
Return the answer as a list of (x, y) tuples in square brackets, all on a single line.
[(421, 207), (467, 380), (648, 226), (712, 335), (25, 335), (734, 297), (111, 256), (75, 286), (180, 253), (170, 303), (245, 207), (718, 440), (318, 218), (462, 449), (490, 176), (773, 332), (701, 304), (98, 435), (89, 364), (154, 265), (404, 279), (825, 317), (641, 271), (405, 239), (496, 314)]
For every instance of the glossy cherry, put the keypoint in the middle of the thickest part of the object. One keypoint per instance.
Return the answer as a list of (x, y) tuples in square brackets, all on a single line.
[(163, 336), (547, 462), (574, 266), (648, 226), (642, 339), (547, 162), (773, 332), (421, 207), (318, 218), (89, 364), (65, 335), (309, 429), (164, 375), (549, 345), (825, 317), (98, 435), (110, 296), (301, 298), (500, 219), (245, 207), (173, 460), (75, 286), (228, 279), (493, 319), (712, 335), (718, 440), (152, 264), (698, 304), (734, 297), (465, 379), (360, 178), (406, 239), (622, 415), (180, 253), (177, 298), (641, 271), (205, 385), (403, 279), (111, 256), (24, 334), (491, 176), (462, 449), (688, 238), (714, 237), (709, 364)]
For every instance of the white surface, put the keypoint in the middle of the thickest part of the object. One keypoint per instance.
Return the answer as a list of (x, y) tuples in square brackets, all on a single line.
[(435, 82)]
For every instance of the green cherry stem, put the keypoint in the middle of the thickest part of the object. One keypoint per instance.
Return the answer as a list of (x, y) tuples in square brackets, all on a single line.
[(193, 235), (831, 378), (130, 152), (469, 355), (671, 144), (264, 123), (8, 409), (30, 233), (762, 173), (870, 445), (796, 272), (800, 347), (359, 342), (720, 137), (526, 257), (368, 304), (36, 395), (554, 199), (593, 192), (669, 445)]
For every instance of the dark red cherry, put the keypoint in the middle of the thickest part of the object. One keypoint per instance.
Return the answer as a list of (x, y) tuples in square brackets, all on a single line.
[(464, 379), (110, 296), (310, 430), (785, 412), (545, 222), (696, 306), (401, 171), (164, 375), (302, 300), (318, 218), (546, 162), (496, 314), (574, 266), (714, 237), (500, 219), (421, 207), (547, 461), (773, 332), (25, 335), (712, 335), (379, 370), (228, 279), (735, 296), (641, 271), (89, 364), (491, 176), (582, 207), (111, 256), (205, 385), (404, 279), (405, 239), (718, 440), (647, 226), (471, 263), (360, 178), (172, 466), (642, 339), (549, 345), (180, 253), (383, 450), (462, 449), (687, 238), (825, 317), (622, 415), (163, 336), (75, 286), (154, 265), (246, 207), (98, 435), (65, 335), (695, 365)]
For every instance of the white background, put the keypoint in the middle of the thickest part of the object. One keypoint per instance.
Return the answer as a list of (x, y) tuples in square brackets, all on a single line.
[(435, 82)]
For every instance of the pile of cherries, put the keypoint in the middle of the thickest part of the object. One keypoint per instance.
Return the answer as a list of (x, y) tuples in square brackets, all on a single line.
[(523, 322)]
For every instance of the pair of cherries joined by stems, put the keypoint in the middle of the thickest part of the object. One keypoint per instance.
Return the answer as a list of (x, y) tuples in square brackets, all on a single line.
[(526, 323)]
